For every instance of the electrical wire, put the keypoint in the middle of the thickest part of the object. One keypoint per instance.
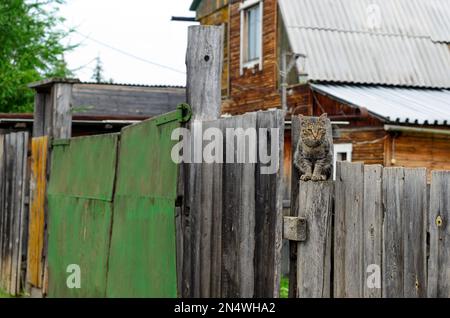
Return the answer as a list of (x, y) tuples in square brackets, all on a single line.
[(130, 54)]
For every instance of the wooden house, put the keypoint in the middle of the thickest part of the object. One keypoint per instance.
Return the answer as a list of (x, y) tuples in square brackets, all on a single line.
[(379, 68)]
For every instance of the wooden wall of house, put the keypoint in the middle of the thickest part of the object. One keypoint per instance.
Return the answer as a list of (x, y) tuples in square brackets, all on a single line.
[(431, 151), (255, 89)]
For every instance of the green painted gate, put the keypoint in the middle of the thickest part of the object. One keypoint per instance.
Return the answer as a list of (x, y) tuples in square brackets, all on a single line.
[(112, 212), (80, 198), (143, 252)]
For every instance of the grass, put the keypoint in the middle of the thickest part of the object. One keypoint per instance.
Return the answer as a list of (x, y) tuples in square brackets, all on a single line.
[(4, 295), (284, 287)]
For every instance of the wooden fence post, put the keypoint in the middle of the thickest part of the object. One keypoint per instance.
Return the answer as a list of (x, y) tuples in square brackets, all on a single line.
[(295, 135), (53, 119), (204, 71), (314, 255), (439, 218)]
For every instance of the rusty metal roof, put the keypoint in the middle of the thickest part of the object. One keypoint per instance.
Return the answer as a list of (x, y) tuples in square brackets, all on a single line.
[(394, 104), (390, 42)]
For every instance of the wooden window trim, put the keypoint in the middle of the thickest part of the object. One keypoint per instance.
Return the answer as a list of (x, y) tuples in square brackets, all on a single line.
[(251, 64), (341, 148)]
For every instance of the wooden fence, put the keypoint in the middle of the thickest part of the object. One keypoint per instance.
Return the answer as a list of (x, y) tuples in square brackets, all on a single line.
[(13, 210), (388, 236), (231, 227)]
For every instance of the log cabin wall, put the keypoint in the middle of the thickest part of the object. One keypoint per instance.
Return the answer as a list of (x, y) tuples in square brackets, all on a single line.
[(255, 89), (431, 151)]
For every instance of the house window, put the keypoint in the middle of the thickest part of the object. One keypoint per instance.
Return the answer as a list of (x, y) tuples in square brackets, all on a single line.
[(342, 152), (251, 34)]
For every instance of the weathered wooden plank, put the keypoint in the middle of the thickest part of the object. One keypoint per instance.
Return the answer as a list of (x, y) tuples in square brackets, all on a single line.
[(216, 233), (439, 217), (10, 149), (238, 217), (295, 177), (204, 68), (204, 71), (39, 114), (392, 261), (19, 207), (414, 219), (61, 112), (373, 221), (38, 185), (269, 205), (348, 230), (314, 255), (294, 228), (205, 197)]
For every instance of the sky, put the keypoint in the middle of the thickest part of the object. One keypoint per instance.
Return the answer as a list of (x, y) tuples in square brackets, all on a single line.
[(128, 35)]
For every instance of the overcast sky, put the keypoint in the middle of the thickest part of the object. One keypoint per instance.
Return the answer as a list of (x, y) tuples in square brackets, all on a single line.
[(141, 28)]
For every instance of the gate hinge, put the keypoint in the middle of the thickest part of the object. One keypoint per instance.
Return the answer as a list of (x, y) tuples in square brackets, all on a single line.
[(294, 228), (182, 115)]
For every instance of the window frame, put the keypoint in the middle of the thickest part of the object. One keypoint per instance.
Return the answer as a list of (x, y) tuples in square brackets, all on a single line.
[(341, 148), (244, 40)]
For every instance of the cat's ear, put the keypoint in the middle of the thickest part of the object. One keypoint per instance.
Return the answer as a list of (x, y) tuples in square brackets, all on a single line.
[(301, 118), (323, 117)]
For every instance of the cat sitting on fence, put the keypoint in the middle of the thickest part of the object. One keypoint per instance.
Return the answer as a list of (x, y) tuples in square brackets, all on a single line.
[(313, 156)]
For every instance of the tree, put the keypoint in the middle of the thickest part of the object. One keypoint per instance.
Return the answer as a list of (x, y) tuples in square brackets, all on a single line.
[(30, 49), (98, 71)]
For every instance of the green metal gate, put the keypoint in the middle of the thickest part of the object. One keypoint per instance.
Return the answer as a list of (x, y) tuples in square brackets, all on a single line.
[(116, 220), (143, 251), (80, 198)]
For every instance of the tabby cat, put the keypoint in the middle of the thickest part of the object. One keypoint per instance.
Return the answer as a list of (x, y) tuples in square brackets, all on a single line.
[(313, 155)]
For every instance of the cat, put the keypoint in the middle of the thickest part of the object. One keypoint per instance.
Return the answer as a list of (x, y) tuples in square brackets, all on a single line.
[(313, 155)]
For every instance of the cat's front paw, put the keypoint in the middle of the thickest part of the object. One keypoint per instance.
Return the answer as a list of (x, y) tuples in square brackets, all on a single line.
[(305, 177), (319, 178)]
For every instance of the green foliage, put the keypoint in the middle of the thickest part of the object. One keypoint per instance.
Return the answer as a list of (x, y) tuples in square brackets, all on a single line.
[(30, 49), (284, 287)]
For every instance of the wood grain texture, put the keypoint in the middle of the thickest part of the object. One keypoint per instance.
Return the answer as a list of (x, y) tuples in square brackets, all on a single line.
[(294, 228), (348, 229), (314, 255), (393, 244), (238, 229), (204, 67), (13, 215), (414, 219), (204, 71), (372, 227), (62, 115), (438, 222), (38, 185), (269, 205), (295, 177)]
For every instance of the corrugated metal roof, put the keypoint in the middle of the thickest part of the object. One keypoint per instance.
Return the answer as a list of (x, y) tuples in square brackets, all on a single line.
[(400, 17), (134, 85), (394, 104), (339, 46)]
